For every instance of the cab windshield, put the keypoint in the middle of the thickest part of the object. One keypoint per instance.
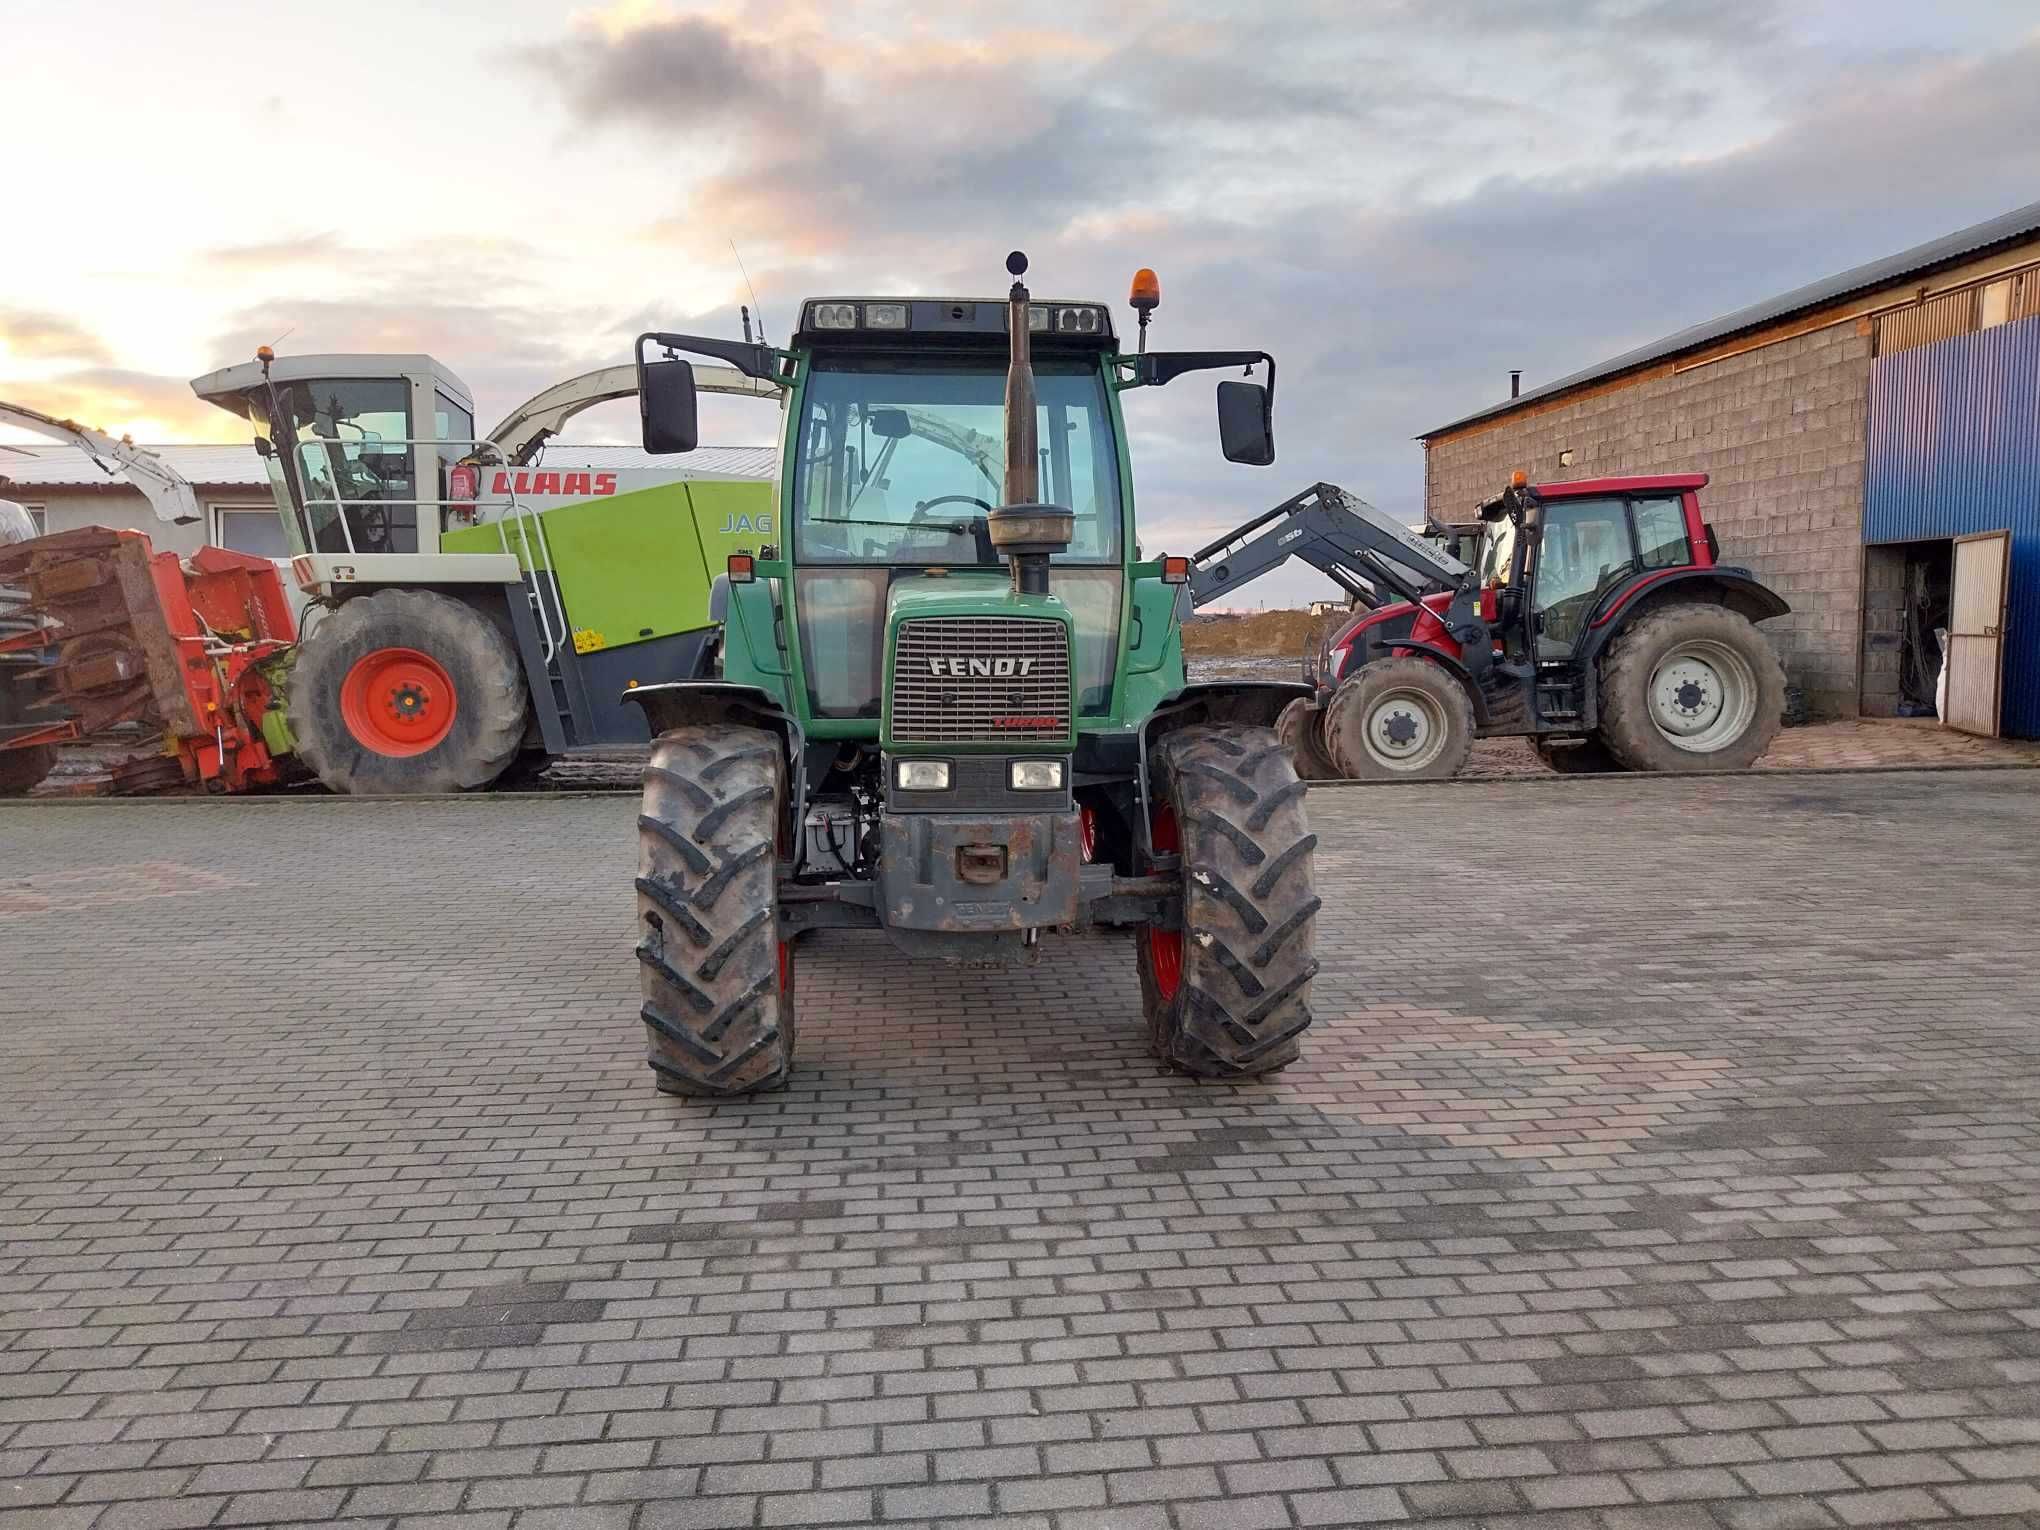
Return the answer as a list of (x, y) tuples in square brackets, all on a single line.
[(901, 463)]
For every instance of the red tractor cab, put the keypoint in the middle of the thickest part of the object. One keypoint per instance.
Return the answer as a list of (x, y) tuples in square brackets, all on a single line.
[(1595, 619)]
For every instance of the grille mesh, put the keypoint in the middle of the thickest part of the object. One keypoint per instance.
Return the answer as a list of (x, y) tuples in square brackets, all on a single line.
[(932, 705)]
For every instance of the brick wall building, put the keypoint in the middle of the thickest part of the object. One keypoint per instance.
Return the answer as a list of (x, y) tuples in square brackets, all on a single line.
[(1772, 403)]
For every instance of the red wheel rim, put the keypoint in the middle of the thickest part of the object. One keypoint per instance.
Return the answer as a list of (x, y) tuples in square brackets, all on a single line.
[(398, 701), (1165, 947), (785, 966), (1087, 833)]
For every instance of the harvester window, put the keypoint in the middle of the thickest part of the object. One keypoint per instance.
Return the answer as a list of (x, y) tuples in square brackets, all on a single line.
[(900, 463), (353, 460)]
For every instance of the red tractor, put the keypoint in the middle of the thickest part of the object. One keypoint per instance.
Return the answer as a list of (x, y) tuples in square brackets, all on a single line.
[(1595, 620)]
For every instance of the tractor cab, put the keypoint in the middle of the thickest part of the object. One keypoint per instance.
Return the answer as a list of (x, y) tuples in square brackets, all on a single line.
[(359, 448)]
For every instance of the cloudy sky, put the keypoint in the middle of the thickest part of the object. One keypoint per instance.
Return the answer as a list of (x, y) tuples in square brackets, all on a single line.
[(1401, 199)]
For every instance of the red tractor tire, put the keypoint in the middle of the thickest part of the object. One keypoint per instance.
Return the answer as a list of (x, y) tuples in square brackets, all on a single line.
[(1297, 727), (1690, 686), (1400, 719)]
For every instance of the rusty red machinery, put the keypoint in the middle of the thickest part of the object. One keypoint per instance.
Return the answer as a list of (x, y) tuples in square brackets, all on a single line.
[(98, 629)]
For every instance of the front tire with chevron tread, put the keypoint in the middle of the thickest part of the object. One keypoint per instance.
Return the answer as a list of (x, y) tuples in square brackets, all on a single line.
[(718, 981), (1228, 995)]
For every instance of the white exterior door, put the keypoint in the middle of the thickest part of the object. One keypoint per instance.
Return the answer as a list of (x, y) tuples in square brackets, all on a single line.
[(1976, 632)]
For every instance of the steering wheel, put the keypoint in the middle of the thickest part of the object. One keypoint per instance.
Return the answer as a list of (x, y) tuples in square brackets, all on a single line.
[(921, 509)]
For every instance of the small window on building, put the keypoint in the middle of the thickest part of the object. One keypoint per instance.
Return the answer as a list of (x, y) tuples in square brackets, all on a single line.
[(41, 518), (1661, 532), (250, 529), (1995, 305)]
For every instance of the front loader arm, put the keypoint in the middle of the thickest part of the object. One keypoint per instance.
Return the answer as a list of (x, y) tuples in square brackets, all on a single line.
[(1356, 546)]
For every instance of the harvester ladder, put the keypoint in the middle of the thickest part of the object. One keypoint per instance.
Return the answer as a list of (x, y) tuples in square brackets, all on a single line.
[(542, 591)]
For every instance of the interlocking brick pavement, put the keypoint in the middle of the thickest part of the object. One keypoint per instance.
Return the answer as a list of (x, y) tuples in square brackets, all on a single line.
[(1881, 743), (1666, 1154)]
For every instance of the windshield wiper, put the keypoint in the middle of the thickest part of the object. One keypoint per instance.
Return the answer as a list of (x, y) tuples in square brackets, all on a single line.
[(954, 528)]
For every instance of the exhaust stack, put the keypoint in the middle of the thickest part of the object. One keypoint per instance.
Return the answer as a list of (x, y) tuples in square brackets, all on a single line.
[(1027, 532)]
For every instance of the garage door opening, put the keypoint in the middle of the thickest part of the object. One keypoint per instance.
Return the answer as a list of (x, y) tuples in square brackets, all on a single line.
[(1907, 593)]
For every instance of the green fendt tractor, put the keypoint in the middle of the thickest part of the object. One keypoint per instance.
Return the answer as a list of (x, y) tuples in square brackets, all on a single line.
[(951, 704)]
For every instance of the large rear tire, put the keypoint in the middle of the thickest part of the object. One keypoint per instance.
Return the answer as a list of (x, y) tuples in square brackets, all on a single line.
[(1228, 994), (1691, 687), (406, 692), (22, 770), (1400, 719), (1297, 727), (718, 980)]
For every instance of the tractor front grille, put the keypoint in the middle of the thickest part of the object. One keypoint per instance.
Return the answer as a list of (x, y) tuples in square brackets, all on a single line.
[(980, 680)]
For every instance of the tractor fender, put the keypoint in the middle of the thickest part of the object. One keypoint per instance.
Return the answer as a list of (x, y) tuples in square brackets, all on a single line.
[(707, 703), (1737, 588), (1258, 702)]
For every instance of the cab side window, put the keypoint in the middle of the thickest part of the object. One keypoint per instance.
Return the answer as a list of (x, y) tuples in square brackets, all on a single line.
[(1661, 540)]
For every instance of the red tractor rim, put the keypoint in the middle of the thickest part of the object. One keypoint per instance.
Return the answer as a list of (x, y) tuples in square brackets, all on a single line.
[(1165, 947), (398, 702)]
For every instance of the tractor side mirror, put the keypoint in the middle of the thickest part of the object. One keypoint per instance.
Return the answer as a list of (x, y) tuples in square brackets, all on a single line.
[(1246, 424), (890, 424), (666, 406)]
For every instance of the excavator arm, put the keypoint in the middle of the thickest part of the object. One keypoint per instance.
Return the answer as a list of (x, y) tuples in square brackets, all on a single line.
[(539, 418), (1355, 545), (169, 492)]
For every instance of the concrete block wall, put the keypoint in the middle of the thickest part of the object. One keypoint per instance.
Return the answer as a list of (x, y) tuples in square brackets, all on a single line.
[(1781, 433)]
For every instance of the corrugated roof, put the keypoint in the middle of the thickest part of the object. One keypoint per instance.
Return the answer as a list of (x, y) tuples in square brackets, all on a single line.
[(1946, 250), (24, 467), (58, 467)]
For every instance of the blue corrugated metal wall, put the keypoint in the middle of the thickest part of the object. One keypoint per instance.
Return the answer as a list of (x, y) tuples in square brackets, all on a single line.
[(1955, 448)]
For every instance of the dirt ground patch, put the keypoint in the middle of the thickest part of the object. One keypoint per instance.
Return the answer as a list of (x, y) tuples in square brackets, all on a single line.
[(1256, 634)]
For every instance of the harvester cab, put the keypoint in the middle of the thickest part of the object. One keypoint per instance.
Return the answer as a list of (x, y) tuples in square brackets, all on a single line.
[(951, 701), (352, 473)]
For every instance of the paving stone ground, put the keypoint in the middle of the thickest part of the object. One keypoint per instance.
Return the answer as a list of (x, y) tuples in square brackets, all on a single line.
[(1666, 1154), (1864, 742)]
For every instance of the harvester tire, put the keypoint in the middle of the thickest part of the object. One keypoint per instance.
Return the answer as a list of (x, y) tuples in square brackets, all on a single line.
[(22, 770), (407, 692), (1400, 719), (1297, 726), (718, 980), (1227, 995), (1589, 757), (1691, 687)]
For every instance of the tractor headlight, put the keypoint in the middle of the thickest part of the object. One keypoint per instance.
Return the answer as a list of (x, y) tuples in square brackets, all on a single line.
[(921, 775), (835, 315), (885, 315), (1035, 775)]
